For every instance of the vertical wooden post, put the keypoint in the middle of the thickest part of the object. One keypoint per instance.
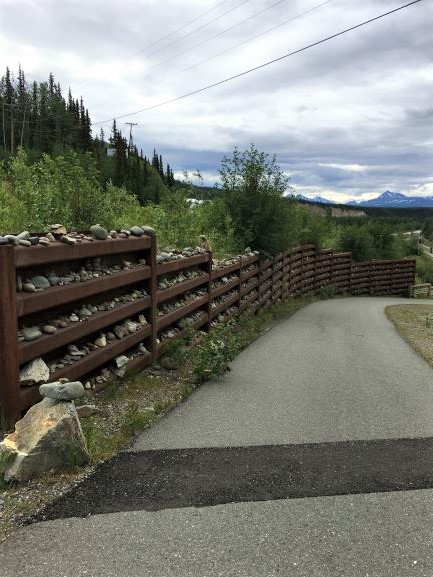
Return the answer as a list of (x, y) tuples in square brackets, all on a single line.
[(209, 290), (9, 358), (238, 302), (351, 278), (153, 291), (289, 274), (282, 294), (273, 266), (370, 278)]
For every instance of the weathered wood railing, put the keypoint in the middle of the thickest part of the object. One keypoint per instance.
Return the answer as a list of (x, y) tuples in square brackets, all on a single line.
[(247, 283)]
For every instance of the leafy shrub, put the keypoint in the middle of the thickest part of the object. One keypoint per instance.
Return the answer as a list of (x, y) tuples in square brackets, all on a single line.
[(327, 291), (62, 189), (211, 357), (424, 268)]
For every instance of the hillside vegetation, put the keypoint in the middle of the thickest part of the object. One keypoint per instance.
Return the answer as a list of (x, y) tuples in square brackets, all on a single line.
[(54, 170)]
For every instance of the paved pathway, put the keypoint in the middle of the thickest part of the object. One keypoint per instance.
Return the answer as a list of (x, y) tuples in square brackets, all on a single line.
[(331, 407)]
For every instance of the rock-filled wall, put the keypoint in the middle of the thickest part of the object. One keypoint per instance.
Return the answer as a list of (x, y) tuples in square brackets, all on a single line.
[(93, 306)]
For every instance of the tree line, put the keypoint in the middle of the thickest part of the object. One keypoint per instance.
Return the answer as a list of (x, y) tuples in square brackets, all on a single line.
[(39, 118)]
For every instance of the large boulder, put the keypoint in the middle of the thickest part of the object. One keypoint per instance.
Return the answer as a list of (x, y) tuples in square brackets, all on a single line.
[(49, 437)]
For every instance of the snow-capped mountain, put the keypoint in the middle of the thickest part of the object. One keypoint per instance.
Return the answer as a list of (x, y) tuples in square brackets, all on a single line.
[(318, 199), (321, 200), (390, 199)]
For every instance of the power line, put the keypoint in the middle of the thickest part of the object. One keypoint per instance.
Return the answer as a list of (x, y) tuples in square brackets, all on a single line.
[(243, 42), (158, 64), (198, 29), (245, 72), (182, 37), (175, 31)]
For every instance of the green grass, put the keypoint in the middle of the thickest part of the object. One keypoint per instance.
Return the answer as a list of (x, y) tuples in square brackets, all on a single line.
[(415, 324), (6, 459)]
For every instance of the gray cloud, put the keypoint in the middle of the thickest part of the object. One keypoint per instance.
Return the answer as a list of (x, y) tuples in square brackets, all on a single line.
[(361, 99)]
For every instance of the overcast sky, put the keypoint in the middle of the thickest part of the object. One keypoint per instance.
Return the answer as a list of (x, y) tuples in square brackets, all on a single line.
[(350, 118)]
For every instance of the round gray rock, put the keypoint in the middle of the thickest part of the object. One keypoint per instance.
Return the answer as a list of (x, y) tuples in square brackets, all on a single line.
[(40, 282), (12, 239), (62, 391), (99, 232), (31, 333), (137, 231)]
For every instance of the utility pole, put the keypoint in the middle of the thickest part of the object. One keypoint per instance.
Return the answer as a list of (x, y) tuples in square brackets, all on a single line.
[(131, 124), (22, 127), (4, 128), (11, 108), (12, 130)]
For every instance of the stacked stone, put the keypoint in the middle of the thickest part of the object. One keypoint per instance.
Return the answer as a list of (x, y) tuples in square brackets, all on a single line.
[(59, 233), (249, 268), (218, 264), (92, 269), (248, 282), (49, 437), (80, 314), (119, 331), (224, 280), (191, 319), (249, 297), (224, 315), (168, 281), (182, 301), (223, 298), (175, 254)]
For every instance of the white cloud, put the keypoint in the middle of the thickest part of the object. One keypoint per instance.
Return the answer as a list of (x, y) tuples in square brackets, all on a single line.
[(421, 190), (345, 167)]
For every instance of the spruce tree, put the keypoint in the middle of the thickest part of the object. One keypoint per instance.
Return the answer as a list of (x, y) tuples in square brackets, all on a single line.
[(161, 168)]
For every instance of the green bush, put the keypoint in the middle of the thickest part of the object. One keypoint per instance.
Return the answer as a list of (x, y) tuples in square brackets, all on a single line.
[(327, 291), (424, 269), (62, 189), (211, 357)]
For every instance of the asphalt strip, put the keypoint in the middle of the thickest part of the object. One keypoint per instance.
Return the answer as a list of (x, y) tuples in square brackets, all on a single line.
[(177, 478)]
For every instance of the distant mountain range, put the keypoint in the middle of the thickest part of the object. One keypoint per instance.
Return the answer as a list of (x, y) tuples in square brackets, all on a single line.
[(318, 199), (395, 200), (387, 199)]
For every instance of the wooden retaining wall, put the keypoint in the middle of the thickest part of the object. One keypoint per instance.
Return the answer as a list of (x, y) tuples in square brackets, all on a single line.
[(247, 283)]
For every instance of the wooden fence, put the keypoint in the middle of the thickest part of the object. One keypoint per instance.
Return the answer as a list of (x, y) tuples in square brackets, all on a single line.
[(198, 294), (421, 290)]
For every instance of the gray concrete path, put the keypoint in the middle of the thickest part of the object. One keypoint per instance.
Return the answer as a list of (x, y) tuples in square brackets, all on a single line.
[(336, 371)]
